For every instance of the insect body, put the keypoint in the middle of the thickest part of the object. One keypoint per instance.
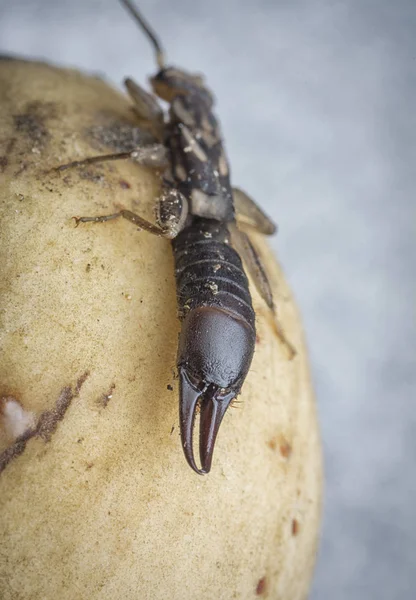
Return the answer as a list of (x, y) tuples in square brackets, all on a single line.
[(199, 212)]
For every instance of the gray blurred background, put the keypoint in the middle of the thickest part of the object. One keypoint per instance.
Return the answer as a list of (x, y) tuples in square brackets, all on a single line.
[(317, 101)]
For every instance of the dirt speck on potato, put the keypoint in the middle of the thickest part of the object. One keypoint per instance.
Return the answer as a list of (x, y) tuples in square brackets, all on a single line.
[(295, 527), (281, 444), (105, 398), (261, 586), (285, 449)]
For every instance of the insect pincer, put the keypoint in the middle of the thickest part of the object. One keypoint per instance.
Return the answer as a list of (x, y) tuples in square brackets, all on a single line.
[(212, 365)]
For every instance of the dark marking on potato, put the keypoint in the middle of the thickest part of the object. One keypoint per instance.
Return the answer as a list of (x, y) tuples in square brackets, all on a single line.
[(49, 419), (261, 586), (124, 184), (285, 449), (4, 161), (272, 443), (295, 527), (105, 398), (32, 122), (46, 425), (16, 449), (80, 382), (10, 146), (169, 387), (281, 443)]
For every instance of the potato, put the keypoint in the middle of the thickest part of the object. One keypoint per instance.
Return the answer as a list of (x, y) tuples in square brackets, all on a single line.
[(97, 500)]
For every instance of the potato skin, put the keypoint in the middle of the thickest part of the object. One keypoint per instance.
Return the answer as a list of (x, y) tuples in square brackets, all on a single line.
[(96, 499)]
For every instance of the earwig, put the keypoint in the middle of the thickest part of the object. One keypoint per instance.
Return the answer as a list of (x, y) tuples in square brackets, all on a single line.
[(200, 212)]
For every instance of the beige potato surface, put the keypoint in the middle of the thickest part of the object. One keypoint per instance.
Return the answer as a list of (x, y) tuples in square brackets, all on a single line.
[(96, 499)]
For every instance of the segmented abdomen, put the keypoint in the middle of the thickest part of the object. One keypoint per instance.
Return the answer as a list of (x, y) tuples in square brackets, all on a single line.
[(209, 272)]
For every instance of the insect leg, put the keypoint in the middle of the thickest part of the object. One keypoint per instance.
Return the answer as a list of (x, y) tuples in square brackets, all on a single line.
[(154, 156), (248, 212), (126, 214), (248, 253), (172, 211)]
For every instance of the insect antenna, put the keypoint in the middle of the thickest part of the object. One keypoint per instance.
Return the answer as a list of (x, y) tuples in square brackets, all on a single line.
[(160, 55)]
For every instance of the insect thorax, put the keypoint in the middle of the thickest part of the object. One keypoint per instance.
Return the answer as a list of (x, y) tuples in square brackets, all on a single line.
[(199, 165)]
